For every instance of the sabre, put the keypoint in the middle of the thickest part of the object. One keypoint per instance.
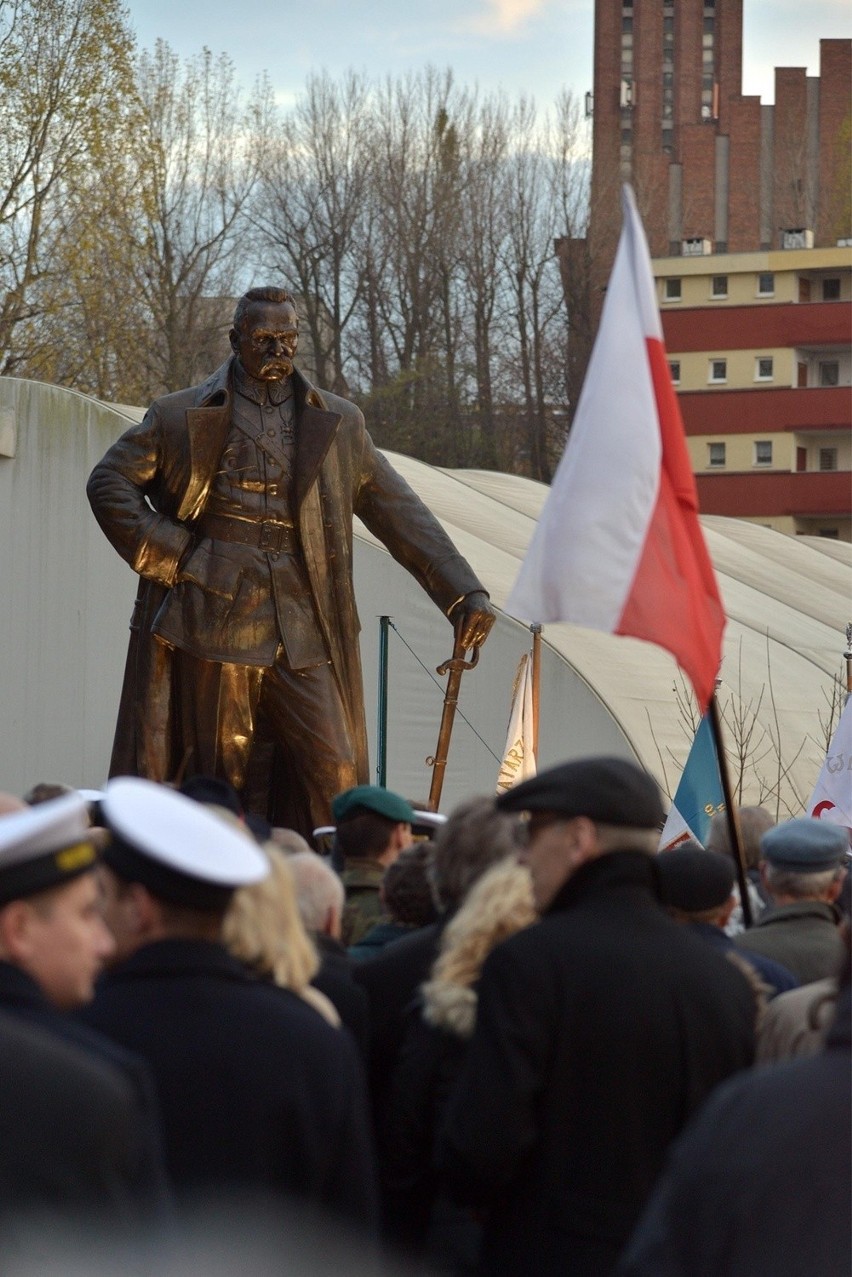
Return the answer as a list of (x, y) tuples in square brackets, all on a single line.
[(455, 666)]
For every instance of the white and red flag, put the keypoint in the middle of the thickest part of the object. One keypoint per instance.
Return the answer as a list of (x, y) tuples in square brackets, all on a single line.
[(619, 546)]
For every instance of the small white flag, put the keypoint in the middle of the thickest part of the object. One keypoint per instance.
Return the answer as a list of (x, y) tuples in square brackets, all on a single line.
[(519, 755), (832, 797)]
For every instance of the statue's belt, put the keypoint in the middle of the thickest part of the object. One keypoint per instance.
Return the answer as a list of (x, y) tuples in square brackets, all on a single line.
[(266, 534)]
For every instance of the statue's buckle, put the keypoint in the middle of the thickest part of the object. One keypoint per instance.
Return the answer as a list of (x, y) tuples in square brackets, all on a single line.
[(270, 538)]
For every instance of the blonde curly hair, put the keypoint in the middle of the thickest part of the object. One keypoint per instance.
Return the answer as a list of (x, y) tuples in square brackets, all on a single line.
[(263, 928), (499, 904)]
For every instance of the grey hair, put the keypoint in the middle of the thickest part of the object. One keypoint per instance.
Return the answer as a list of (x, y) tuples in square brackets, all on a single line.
[(754, 822), (627, 838), (475, 837), (801, 886), (318, 888)]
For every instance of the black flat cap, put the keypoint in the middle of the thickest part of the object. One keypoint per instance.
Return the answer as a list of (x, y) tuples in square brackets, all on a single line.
[(694, 880), (610, 790)]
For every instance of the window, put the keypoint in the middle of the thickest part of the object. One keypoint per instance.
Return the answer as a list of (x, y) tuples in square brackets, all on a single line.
[(763, 368), (672, 290), (828, 458), (763, 452), (718, 370), (831, 290), (674, 369), (719, 287), (716, 454), (766, 284), (829, 372)]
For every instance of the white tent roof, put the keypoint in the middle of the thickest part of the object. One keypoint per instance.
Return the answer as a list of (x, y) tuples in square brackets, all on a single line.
[(63, 632)]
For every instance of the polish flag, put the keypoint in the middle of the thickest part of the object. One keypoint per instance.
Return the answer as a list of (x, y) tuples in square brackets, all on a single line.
[(619, 546)]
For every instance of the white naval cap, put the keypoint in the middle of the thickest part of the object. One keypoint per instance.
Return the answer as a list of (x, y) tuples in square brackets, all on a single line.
[(43, 846), (91, 795), (177, 848), (429, 819)]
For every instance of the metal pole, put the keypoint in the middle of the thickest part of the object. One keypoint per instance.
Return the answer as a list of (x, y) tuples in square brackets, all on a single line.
[(847, 656), (536, 684), (382, 725), (731, 811)]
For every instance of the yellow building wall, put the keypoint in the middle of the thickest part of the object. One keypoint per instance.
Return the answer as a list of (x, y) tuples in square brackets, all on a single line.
[(813, 442), (740, 452), (742, 271), (741, 368)]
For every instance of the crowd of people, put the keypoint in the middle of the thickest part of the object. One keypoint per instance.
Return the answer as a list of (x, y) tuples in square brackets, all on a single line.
[(518, 1040)]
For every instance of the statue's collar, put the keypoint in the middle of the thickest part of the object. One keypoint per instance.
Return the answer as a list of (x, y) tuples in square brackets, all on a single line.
[(261, 392)]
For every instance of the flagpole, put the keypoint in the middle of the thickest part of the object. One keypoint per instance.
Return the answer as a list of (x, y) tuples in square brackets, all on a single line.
[(382, 723), (536, 684), (733, 816)]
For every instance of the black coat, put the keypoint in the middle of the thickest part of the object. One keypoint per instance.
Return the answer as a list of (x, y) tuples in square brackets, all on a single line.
[(599, 1031), (21, 997), (70, 1132), (336, 979), (392, 981), (416, 1214), (257, 1091), (760, 1181)]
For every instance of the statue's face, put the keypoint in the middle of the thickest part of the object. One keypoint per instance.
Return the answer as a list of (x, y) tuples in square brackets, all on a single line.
[(267, 339)]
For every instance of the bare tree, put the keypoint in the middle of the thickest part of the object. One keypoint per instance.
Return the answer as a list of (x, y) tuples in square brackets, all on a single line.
[(309, 208), (485, 214), (539, 175), (66, 83), (203, 149)]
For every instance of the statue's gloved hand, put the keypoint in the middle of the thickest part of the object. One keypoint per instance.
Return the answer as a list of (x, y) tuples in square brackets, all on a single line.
[(472, 618)]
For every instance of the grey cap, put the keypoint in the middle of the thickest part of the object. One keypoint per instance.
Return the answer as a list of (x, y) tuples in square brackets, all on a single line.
[(805, 845)]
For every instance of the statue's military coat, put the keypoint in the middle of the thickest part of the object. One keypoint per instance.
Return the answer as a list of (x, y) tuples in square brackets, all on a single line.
[(149, 493)]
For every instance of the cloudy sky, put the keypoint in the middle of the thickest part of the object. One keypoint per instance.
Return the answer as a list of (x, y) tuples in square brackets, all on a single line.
[(532, 46)]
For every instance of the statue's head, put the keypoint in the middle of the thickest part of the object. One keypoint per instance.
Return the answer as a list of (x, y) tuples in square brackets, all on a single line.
[(266, 333)]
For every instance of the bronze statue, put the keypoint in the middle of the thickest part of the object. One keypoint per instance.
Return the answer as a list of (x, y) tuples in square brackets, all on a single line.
[(233, 500)]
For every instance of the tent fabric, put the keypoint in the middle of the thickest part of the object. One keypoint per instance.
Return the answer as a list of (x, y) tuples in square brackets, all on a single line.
[(68, 598)]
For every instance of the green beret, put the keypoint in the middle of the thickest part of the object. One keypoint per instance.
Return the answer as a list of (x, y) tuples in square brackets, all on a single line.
[(384, 802)]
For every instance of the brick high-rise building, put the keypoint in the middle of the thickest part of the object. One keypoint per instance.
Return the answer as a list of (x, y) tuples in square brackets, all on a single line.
[(731, 192), (713, 171)]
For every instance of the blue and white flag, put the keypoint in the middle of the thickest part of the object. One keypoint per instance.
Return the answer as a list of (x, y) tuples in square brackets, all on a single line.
[(699, 794)]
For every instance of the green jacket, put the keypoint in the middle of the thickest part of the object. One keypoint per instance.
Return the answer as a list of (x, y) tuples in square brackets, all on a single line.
[(363, 909)]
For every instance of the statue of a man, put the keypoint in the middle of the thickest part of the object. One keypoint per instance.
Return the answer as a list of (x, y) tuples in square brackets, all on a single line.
[(233, 501)]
